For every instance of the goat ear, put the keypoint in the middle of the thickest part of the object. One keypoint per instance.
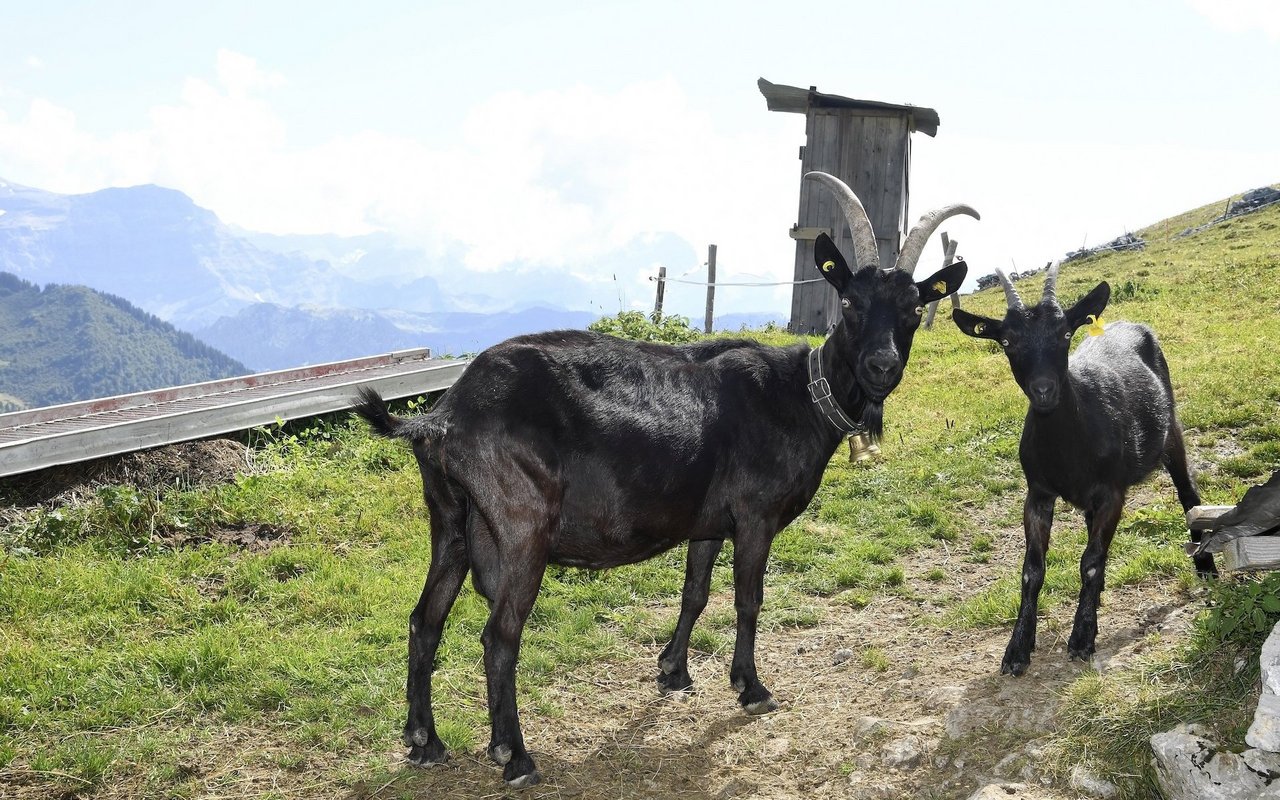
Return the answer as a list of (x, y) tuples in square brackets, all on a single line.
[(976, 326), (827, 258), (1091, 305), (943, 282)]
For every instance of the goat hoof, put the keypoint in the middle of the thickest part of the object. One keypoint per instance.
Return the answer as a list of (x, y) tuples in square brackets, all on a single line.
[(1080, 653), (1015, 668), (1205, 568), (427, 755), (761, 706), (524, 781), (500, 754), (757, 701), (671, 683)]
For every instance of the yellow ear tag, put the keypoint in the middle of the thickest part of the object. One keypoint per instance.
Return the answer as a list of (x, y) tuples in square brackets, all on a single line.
[(827, 266), (940, 287), (1095, 326)]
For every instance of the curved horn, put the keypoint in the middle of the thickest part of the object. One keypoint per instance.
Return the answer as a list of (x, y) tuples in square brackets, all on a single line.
[(1051, 284), (1010, 293), (913, 246), (865, 251)]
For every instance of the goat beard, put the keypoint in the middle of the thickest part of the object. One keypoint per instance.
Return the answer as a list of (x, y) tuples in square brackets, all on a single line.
[(873, 419)]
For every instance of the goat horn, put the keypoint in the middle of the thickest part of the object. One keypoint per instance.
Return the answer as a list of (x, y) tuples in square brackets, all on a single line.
[(865, 251), (1051, 284), (1010, 293), (914, 244)]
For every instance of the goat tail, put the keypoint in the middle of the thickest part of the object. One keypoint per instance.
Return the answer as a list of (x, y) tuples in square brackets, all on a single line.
[(373, 408)]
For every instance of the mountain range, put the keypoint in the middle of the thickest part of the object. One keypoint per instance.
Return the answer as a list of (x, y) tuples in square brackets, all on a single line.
[(272, 302), (267, 301)]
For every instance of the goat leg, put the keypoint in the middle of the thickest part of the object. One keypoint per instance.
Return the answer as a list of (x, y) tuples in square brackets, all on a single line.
[(750, 552), (1102, 521), (1037, 520), (426, 624), (517, 589), (673, 664), (1175, 462)]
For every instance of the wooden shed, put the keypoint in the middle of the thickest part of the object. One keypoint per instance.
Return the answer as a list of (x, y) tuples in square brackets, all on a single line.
[(867, 144)]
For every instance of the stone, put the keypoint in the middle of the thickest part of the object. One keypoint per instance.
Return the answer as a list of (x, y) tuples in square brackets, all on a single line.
[(1008, 766), (1001, 791), (1264, 763), (1264, 733), (1090, 784), (868, 726), (841, 656), (902, 753), (1191, 768), (940, 697)]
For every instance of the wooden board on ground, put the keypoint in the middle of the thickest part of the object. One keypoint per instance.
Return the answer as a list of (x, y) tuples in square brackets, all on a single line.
[(1245, 554)]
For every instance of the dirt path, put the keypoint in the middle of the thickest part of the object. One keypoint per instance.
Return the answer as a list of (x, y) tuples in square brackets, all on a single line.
[(932, 718)]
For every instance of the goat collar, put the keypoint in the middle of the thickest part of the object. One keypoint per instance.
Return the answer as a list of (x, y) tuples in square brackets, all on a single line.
[(820, 393)]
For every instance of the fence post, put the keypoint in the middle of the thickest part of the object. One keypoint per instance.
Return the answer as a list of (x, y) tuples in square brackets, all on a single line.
[(657, 303), (711, 285), (948, 255)]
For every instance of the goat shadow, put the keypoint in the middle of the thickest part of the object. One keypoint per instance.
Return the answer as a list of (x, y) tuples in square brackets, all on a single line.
[(637, 758)]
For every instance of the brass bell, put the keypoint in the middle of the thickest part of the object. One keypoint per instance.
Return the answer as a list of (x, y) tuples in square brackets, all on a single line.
[(862, 448)]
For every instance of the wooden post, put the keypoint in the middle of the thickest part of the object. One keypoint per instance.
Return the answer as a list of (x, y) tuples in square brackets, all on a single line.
[(711, 285), (948, 255), (662, 284)]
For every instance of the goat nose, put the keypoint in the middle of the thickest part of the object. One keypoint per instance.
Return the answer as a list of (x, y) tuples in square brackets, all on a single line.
[(882, 365), (1043, 389)]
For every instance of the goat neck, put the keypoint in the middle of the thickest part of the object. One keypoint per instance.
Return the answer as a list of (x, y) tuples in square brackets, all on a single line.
[(837, 358)]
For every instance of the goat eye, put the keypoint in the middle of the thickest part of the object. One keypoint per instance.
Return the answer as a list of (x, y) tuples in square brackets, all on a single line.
[(919, 311), (1004, 342), (844, 301), (1067, 336)]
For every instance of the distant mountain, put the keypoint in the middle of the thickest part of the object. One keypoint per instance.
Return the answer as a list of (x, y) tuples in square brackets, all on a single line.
[(750, 319), (151, 246), (267, 336), (65, 343), (160, 251), (283, 301)]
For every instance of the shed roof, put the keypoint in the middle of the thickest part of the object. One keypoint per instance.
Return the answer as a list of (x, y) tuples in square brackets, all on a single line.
[(799, 101)]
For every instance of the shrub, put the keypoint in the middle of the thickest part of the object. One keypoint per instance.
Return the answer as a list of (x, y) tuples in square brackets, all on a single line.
[(653, 328)]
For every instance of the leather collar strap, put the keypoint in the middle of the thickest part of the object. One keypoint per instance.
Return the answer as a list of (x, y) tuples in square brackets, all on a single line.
[(820, 393)]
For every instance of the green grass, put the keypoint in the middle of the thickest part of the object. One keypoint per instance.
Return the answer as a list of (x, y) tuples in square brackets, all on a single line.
[(121, 654)]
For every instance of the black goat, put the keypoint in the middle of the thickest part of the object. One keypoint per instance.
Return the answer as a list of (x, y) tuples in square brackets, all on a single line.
[(1099, 422), (586, 450)]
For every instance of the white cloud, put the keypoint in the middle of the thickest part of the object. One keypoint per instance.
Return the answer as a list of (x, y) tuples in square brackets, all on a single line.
[(559, 178), (554, 178), (34, 62), (1241, 16)]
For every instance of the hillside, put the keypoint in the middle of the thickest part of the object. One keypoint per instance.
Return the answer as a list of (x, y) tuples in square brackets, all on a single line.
[(248, 638), (64, 343)]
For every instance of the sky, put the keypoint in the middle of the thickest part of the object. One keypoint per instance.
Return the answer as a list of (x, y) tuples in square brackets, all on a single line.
[(605, 139)]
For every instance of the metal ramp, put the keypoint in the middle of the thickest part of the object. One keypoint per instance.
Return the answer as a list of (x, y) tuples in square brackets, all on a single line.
[(74, 432)]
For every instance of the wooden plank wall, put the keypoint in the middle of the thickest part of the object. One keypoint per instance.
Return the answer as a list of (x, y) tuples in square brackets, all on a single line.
[(868, 152)]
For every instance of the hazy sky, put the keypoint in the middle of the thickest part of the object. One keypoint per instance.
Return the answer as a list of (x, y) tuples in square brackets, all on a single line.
[(570, 135)]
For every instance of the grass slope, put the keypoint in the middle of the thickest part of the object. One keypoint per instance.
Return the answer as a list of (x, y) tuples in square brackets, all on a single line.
[(145, 653)]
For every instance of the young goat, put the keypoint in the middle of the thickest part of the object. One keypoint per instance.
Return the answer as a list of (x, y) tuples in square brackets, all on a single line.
[(581, 449), (1099, 422)]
